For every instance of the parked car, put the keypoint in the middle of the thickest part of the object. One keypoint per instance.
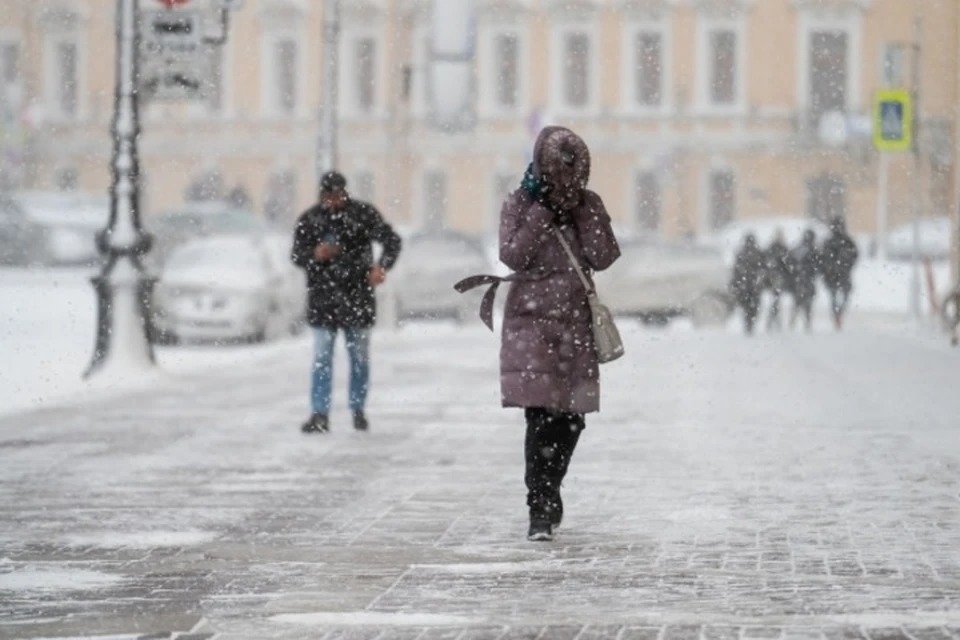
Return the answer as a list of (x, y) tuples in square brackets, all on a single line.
[(232, 287), (195, 220), (421, 286), (23, 242), (935, 239), (656, 281), (70, 222)]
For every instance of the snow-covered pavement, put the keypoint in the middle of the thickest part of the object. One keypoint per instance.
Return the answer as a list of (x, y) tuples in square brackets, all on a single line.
[(784, 486)]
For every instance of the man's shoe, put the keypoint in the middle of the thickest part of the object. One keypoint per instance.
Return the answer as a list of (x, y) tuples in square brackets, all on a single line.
[(318, 423), (540, 530), (360, 422)]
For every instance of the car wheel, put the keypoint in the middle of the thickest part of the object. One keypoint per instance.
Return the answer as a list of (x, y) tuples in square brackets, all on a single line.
[(710, 309), (655, 319), (165, 339)]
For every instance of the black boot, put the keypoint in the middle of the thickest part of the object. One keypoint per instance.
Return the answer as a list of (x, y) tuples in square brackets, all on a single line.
[(540, 530), (318, 423), (550, 440), (360, 422)]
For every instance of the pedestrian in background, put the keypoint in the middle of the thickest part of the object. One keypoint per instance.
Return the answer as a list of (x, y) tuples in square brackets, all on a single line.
[(804, 265), (333, 244), (778, 277), (838, 257), (748, 280), (548, 362)]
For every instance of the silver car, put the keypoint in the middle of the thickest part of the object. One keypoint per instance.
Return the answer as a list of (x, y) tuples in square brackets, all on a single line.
[(229, 288), (421, 286), (657, 281)]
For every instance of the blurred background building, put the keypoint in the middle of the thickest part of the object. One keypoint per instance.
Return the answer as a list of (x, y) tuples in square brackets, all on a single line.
[(698, 112)]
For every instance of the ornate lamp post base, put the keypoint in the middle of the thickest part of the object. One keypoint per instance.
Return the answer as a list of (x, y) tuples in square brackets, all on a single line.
[(123, 319), (123, 290)]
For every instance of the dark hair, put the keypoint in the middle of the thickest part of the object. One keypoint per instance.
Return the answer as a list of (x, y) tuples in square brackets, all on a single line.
[(332, 181)]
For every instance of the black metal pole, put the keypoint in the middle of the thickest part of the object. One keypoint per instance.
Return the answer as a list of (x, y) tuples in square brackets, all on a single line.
[(123, 290)]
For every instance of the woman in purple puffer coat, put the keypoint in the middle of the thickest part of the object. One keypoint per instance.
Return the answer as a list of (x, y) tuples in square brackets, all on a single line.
[(548, 364)]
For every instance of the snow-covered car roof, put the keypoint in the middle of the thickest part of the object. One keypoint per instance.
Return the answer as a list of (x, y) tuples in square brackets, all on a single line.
[(65, 208)]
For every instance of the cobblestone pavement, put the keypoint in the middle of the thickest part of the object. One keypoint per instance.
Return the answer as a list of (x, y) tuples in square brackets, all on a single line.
[(778, 488)]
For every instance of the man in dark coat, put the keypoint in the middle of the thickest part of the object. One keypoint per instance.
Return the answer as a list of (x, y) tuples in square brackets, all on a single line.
[(804, 265), (548, 363), (778, 277), (749, 277), (838, 256), (333, 244)]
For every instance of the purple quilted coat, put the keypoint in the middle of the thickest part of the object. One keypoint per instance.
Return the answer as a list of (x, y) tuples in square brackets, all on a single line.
[(547, 357)]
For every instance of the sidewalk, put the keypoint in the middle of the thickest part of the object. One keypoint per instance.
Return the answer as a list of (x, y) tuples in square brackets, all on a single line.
[(778, 487)]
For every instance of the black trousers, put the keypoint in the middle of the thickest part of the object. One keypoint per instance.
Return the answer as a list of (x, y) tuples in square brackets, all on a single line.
[(551, 439)]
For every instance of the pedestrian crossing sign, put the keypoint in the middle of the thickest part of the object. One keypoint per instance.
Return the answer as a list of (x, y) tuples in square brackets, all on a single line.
[(892, 118)]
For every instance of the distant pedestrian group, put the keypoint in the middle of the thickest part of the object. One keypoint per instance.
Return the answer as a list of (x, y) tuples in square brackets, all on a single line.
[(782, 270)]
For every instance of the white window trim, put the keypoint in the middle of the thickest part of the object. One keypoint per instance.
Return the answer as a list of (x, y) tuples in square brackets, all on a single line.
[(436, 166), (51, 38), (11, 37), (628, 102), (347, 96), (269, 101), (706, 24), (503, 168), (558, 105), (202, 110), (489, 108), (850, 22), (419, 60), (716, 165), (633, 199)]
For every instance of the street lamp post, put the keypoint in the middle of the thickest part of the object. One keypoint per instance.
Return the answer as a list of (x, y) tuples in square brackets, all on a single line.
[(327, 143), (123, 289)]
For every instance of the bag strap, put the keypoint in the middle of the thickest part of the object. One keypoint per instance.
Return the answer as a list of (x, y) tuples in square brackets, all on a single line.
[(573, 261)]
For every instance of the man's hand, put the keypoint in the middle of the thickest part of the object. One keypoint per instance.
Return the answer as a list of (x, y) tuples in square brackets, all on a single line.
[(376, 276), (325, 251)]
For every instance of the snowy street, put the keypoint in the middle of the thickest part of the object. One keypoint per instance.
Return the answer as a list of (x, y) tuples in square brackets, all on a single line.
[(785, 486)]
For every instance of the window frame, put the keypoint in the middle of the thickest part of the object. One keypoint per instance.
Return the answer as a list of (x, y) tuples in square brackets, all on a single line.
[(559, 106), (203, 110), (348, 95), (634, 201), (628, 88), (706, 26), (270, 100), (490, 106), (419, 100), (13, 39), (52, 39), (423, 218), (708, 213), (810, 22)]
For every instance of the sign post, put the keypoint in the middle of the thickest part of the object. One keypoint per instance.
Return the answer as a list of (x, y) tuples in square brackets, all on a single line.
[(892, 131), (892, 120)]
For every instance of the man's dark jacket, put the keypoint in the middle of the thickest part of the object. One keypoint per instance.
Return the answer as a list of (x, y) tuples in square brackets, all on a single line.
[(340, 294)]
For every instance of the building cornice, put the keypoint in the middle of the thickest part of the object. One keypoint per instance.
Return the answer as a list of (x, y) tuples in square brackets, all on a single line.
[(836, 5), (722, 8), (60, 14)]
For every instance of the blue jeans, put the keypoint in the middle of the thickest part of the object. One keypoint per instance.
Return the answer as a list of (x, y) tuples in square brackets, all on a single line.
[(358, 348)]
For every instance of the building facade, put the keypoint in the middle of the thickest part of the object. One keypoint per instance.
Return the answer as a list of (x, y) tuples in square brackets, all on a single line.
[(698, 112)]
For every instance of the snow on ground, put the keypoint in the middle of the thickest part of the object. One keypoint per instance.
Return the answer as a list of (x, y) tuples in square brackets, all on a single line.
[(55, 578), (47, 333), (784, 482)]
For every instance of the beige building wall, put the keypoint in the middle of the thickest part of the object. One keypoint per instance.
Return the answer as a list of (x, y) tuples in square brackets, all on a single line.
[(763, 139)]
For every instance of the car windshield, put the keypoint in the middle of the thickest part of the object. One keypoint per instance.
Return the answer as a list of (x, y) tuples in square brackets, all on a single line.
[(234, 257), (215, 222)]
